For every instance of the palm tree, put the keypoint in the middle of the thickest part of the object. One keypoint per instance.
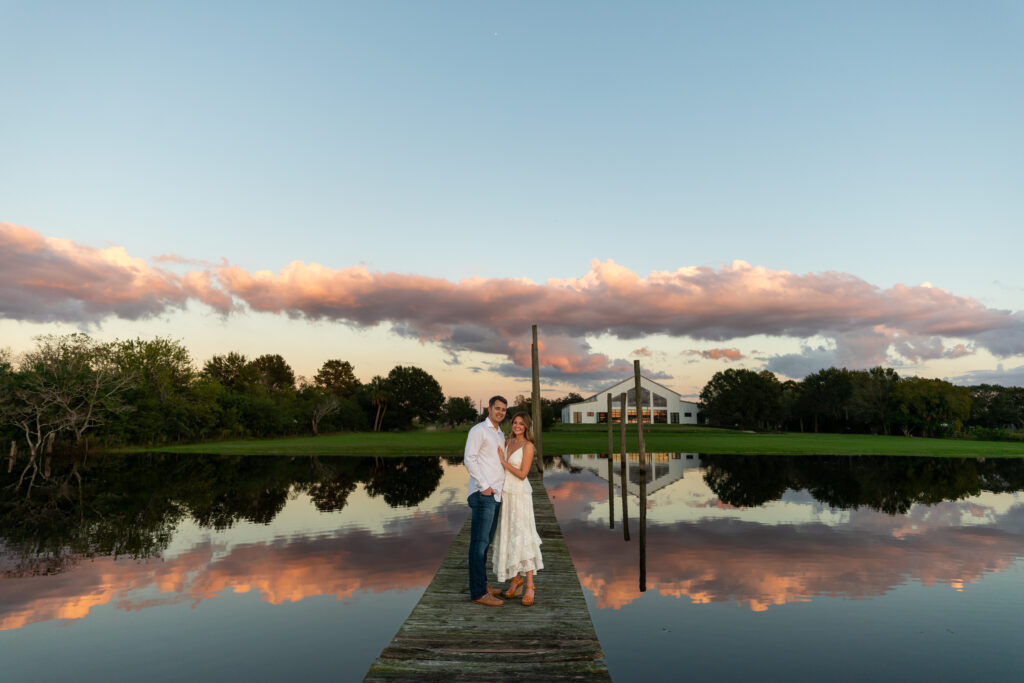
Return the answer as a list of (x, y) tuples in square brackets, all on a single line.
[(379, 396)]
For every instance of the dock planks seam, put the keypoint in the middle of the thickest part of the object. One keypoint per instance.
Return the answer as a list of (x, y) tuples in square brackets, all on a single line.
[(448, 637)]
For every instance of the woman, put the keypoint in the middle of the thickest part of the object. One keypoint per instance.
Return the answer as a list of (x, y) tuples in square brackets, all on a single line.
[(517, 542)]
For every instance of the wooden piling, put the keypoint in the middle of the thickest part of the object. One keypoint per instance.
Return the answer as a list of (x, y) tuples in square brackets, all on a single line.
[(643, 528), (640, 416), (643, 476), (538, 455), (625, 466), (449, 638), (611, 465)]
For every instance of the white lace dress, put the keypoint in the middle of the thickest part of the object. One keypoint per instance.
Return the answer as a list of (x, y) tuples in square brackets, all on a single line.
[(516, 543)]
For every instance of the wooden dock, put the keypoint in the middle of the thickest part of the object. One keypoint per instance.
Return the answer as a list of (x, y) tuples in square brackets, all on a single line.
[(449, 637)]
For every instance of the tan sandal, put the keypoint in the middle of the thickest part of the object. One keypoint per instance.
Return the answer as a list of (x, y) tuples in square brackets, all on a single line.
[(528, 595), (514, 587)]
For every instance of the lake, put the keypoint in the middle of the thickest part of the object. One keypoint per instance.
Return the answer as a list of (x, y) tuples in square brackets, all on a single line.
[(172, 567)]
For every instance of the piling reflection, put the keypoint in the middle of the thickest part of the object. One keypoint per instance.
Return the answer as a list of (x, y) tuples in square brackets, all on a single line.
[(761, 532)]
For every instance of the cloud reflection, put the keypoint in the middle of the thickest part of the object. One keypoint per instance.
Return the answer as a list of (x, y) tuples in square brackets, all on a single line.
[(283, 570), (758, 565)]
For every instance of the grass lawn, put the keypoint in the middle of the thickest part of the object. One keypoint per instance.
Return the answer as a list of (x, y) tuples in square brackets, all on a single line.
[(564, 439)]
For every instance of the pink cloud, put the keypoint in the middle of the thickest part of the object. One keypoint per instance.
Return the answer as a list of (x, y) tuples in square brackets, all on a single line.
[(175, 258), (716, 354), (49, 279)]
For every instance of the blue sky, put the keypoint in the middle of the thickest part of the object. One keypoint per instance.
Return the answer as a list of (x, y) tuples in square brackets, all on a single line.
[(521, 140)]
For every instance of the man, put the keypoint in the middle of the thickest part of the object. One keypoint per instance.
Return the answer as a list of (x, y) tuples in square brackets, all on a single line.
[(486, 476)]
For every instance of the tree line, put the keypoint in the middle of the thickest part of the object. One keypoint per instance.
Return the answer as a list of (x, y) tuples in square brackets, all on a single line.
[(875, 401), (72, 389)]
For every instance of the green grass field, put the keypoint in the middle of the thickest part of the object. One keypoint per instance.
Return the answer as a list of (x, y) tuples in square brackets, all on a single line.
[(564, 439)]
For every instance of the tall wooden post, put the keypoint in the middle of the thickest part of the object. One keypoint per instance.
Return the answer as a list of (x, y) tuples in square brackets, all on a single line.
[(640, 417), (622, 447), (643, 532), (611, 462), (538, 456)]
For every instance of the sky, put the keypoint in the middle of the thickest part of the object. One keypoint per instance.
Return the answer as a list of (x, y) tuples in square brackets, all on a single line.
[(701, 186)]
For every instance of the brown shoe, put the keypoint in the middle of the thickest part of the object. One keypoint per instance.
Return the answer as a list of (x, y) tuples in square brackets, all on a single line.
[(495, 591), (528, 595), (489, 600)]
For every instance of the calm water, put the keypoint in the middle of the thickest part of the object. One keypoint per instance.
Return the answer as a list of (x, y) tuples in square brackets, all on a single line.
[(175, 568), (802, 568), (221, 568)]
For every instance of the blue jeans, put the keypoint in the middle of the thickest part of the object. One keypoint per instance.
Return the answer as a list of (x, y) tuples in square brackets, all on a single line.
[(481, 532)]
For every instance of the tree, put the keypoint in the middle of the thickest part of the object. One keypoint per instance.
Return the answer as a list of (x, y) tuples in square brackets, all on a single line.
[(789, 404), (233, 371), (742, 398), (6, 386), (380, 393), (870, 398), (996, 407), (524, 404), (77, 374), (413, 394), (163, 397), (161, 366), (458, 410), (559, 403), (321, 403), (27, 403), (273, 373), (826, 395), (931, 407), (338, 377)]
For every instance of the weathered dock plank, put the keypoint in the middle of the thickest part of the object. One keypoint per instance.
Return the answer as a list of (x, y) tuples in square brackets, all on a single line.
[(448, 637)]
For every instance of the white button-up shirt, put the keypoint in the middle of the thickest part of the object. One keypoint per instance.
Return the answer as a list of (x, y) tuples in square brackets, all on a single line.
[(482, 460)]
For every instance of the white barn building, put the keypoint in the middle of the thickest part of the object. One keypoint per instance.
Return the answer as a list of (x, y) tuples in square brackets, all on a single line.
[(659, 405)]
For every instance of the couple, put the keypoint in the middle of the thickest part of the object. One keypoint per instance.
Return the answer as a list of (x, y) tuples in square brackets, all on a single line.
[(501, 500)]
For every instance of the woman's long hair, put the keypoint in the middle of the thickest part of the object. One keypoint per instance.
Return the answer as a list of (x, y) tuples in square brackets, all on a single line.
[(528, 423)]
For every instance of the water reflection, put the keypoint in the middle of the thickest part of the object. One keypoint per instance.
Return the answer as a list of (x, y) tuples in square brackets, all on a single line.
[(856, 559), (769, 531), (130, 536), (130, 506)]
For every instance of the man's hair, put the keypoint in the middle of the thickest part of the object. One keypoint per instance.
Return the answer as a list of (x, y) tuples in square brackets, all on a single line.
[(495, 399)]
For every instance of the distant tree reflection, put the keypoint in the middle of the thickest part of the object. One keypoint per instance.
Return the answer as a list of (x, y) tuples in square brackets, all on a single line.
[(130, 506), (887, 484), (404, 482)]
